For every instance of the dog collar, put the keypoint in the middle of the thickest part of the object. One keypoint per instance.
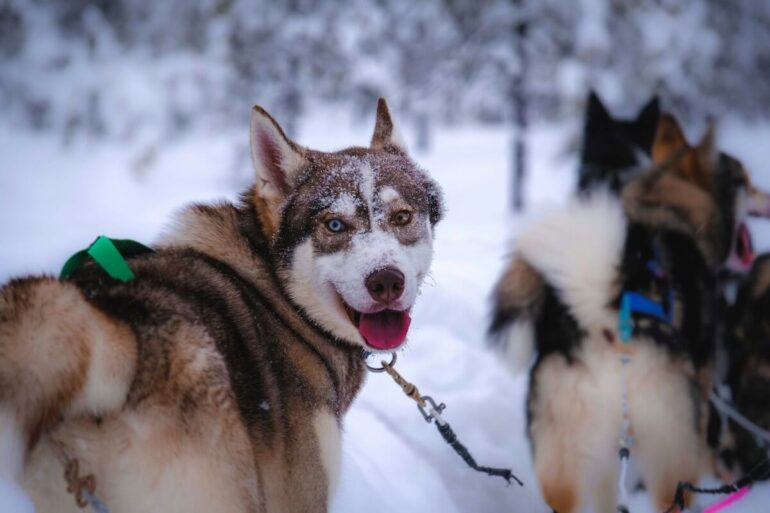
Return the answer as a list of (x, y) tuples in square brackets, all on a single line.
[(110, 255)]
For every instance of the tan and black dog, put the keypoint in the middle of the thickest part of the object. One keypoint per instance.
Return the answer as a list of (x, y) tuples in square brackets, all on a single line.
[(561, 297), (217, 379), (748, 350)]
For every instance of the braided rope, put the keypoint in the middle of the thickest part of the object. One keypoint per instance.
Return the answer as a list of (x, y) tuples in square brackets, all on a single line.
[(410, 389), (432, 411)]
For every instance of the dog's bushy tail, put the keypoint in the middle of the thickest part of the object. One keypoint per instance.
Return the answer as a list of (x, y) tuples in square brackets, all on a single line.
[(575, 253), (515, 303)]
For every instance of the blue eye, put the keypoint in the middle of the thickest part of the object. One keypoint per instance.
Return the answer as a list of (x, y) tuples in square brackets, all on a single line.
[(335, 226)]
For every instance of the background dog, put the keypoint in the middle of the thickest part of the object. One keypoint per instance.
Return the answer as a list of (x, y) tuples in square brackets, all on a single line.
[(710, 180), (216, 380), (614, 150), (748, 348), (723, 237), (560, 296)]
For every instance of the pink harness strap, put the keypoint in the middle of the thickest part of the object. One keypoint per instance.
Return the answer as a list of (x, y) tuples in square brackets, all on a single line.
[(728, 501)]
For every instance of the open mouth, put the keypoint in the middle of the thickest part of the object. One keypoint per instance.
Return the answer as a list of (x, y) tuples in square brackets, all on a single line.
[(744, 248), (383, 330)]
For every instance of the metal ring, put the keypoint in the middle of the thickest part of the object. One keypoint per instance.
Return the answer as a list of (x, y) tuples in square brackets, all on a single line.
[(393, 358)]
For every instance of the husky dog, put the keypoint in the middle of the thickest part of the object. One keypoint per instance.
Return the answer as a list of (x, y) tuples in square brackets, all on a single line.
[(709, 190), (736, 197), (615, 150), (748, 347), (217, 379), (562, 295)]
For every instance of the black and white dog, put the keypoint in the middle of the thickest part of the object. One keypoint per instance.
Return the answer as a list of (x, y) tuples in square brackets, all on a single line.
[(614, 150)]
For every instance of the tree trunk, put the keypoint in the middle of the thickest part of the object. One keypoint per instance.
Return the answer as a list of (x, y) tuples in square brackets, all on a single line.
[(519, 101)]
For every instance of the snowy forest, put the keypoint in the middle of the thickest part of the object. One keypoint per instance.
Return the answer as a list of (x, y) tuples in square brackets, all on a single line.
[(71, 67), (116, 113)]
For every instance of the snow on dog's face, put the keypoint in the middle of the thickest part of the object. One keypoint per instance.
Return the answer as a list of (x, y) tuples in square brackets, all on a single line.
[(352, 230)]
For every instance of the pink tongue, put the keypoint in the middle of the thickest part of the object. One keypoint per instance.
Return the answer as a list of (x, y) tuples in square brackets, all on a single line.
[(747, 253), (384, 330)]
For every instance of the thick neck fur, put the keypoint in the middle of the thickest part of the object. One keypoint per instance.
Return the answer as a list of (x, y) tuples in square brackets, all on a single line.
[(233, 234), (659, 199)]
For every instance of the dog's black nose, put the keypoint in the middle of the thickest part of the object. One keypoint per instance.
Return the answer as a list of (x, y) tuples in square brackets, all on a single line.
[(385, 285)]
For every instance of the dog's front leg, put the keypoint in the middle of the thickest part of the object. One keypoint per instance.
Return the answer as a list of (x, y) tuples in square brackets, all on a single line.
[(59, 357)]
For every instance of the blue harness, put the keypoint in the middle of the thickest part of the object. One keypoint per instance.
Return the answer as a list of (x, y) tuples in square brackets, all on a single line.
[(636, 304)]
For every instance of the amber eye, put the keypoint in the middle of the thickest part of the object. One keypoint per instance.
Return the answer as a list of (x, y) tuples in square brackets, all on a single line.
[(402, 218), (335, 225)]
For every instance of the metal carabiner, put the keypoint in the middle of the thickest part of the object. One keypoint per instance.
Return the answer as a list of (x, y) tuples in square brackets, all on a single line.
[(437, 408)]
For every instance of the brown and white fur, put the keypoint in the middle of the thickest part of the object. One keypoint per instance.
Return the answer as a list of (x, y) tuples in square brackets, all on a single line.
[(560, 295), (218, 378), (748, 350)]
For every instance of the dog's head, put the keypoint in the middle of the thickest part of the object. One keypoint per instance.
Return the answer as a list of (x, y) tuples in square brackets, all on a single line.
[(351, 231), (723, 178), (614, 148)]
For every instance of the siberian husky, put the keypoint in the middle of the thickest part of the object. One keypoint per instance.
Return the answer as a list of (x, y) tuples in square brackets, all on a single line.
[(748, 350), (562, 295), (217, 379)]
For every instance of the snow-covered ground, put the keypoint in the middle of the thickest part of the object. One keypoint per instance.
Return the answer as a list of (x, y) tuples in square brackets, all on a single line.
[(55, 200)]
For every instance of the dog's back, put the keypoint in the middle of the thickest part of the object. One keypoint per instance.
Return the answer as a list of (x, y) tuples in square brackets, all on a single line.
[(163, 388)]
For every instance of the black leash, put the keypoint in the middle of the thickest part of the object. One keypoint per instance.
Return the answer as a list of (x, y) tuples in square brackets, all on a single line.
[(431, 411), (760, 472), (450, 437)]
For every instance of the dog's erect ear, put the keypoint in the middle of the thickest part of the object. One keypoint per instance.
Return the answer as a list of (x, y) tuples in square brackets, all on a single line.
[(596, 112), (707, 147), (386, 135), (669, 139), (692, 164), (650, 113), (435, 201), (647, 122), (276, 159)]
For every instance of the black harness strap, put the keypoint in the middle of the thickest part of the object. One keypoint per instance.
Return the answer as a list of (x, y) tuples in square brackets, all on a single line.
[(760, 472)]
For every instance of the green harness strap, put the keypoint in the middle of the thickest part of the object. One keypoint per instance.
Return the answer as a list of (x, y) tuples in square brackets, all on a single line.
[(110, 254)]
